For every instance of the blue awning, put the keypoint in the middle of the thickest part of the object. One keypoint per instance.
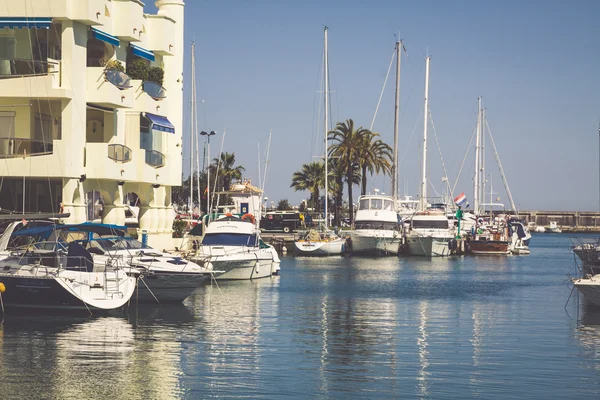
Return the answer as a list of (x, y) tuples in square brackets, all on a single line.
[(105, 37), (141, 52), (160, 123), (24, 22)]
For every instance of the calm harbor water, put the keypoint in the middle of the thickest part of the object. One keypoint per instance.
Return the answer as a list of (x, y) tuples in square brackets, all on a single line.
[(347, 327)]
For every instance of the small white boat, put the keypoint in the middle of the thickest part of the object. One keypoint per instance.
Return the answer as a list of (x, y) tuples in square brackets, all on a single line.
[(315, 243), (327, 242), (553, 228)]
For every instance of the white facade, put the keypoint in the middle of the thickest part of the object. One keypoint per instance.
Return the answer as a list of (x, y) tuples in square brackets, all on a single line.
[(69, 128)]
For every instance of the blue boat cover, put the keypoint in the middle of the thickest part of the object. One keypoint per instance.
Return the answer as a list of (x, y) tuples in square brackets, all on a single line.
[(141, 52), (105, 37), (25, 22), (100, 229), (160, 123)]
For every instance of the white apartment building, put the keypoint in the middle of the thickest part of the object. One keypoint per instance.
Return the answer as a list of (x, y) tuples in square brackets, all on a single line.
[(72, 124)]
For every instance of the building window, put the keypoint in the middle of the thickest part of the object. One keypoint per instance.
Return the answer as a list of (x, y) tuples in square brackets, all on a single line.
[(145, 133), (7, 124), (150, 139)]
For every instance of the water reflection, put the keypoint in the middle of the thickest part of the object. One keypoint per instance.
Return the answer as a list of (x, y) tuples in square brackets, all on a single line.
[(422, 387), (101, 357), (239, 319)]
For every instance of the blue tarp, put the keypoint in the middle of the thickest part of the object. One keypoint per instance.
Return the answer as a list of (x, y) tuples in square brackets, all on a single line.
[(160, 123), (141, 52), (24, 22), (105, 37), (100, 229)]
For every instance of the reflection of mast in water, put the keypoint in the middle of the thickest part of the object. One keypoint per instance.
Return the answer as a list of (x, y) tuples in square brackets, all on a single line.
[(233, 316), (477, 342), (423, 387), (324, 351)]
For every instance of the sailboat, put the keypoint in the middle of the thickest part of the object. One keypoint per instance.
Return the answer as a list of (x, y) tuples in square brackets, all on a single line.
[(430, 234), (494, 234), (325, 242), (378, 225)]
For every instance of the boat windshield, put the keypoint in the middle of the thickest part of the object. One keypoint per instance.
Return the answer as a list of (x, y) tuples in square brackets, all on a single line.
[(229, 239), (119, 243), (376, 204), (430, 224)]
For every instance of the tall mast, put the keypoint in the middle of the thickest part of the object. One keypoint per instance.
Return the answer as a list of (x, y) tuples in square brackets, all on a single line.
[(192, 129), (423, 195), (476, 178), (326, 102), (482, 157), (396, 118)]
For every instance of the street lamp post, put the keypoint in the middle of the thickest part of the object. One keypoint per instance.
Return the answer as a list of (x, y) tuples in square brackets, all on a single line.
[(208, 135)]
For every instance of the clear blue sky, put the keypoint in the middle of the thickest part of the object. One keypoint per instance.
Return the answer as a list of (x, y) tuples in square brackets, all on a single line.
[(535, 63)]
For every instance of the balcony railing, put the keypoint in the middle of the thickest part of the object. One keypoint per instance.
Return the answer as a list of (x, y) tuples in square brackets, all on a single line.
[(118, 78), (119, 153), (154, 90), (155, 158), (17, 67), (17, 147)]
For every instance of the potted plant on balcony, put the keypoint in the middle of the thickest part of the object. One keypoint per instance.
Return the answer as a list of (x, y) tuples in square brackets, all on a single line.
[(156, 74), (112, 64), (137, 69)]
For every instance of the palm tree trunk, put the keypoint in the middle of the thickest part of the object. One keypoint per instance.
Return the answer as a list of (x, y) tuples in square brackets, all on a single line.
[(349, 177), (363, 189), (339, 199)]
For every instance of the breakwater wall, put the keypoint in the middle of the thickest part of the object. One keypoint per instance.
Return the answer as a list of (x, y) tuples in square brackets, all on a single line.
[(568, 221)]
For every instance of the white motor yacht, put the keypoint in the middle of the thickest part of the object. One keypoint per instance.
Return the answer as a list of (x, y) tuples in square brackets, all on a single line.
[(430, 235), (62, 275), (377, 227), (164, 278), (232, 244)]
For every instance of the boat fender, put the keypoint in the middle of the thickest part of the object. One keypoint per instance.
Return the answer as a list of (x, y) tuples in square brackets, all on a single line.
[(257, 266), (2, 288)]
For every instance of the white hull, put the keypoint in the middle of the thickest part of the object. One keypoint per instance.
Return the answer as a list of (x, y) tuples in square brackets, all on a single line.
[(590, 288), (375, 241), (320, 248), (168, 287), (35, 286), (242, 265), (428, 246)]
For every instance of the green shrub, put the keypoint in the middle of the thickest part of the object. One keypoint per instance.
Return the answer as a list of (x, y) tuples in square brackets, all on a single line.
[(156, 74), (112, 64), (137, 69), (179, 226)]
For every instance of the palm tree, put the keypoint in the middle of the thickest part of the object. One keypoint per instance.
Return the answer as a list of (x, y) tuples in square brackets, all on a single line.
[(311, 177), (375, 156), (347, 149), (223, 168)]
